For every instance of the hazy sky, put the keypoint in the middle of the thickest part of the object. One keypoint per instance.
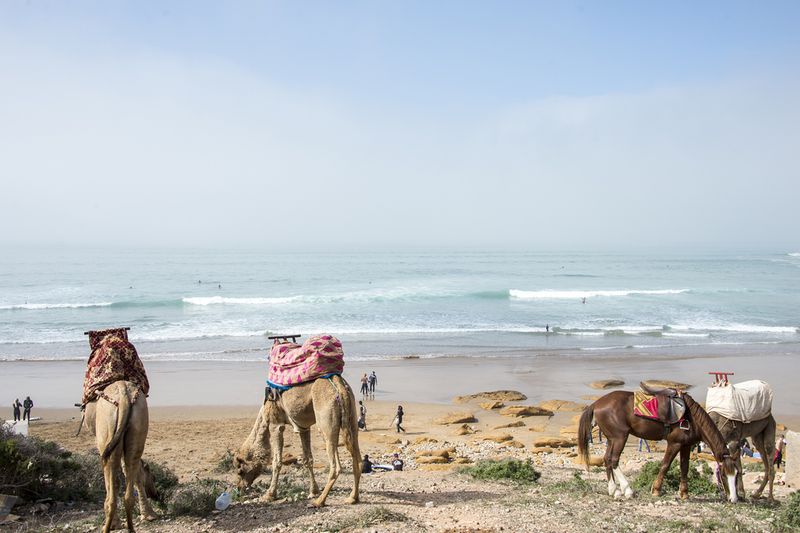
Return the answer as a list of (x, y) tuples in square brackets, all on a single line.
[(305, 124)]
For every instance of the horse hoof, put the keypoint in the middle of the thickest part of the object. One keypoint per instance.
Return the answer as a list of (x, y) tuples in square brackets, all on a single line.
[(684, 495), (617, 494), (655, 492), (628, 493)]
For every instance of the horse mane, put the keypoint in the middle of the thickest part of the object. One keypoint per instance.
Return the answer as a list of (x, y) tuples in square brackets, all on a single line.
[(706, 428)]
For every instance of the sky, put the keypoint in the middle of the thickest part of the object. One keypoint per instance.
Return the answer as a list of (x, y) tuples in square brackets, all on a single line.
[(315, 125)]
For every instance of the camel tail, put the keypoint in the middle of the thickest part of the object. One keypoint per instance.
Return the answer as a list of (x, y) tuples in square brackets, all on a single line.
[(349, 423), (123, 416), (584, 433)]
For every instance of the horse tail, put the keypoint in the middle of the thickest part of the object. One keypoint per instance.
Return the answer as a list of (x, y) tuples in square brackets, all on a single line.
[(123, 417), (585, 433), (349, 424)]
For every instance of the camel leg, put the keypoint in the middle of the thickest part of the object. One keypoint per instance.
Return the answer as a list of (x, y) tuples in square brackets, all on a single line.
[(132, 473), (355, 454), (308, 461), (669, 455), (767, 451), (684, 486), (331, 443), (110, 468), (276, 442)]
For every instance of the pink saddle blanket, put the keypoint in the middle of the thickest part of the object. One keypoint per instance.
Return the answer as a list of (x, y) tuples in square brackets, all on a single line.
[(292, 364)]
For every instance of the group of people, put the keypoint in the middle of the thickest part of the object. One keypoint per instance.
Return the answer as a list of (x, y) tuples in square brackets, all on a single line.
[(368, 384), (368, 466), (362, 417), (24, 407)]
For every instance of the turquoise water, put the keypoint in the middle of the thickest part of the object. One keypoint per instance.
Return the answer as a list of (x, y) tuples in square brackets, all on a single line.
[(221, 305)]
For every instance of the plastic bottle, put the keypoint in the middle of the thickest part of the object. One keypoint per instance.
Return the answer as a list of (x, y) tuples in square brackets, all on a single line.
[(223, 501)]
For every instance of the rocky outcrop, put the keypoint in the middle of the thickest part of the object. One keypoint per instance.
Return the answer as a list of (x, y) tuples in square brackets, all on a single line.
[(561, 405), (525, 410), (491, 405), (503, 437), (606, 384), (456, 418), (464, 429), (498, 395), (555, 442), (517, 424)]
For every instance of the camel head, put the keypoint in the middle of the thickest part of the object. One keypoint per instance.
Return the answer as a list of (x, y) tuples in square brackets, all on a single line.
[(248, 468)]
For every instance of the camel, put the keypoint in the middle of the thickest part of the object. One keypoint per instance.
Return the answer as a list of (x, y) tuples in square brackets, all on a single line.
[(327, 402), (763, 434), (121, 432)]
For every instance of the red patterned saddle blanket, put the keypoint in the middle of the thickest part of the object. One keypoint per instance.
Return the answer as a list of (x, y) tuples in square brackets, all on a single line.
[(113, 358), (661, 407), (292, 364)]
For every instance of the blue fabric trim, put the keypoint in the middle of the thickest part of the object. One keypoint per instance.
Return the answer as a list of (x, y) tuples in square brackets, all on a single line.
[(287, 387)]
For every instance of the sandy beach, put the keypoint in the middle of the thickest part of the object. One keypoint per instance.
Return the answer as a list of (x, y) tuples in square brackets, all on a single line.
[(201, 411)]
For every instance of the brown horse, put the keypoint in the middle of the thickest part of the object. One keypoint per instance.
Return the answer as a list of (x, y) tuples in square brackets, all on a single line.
[(614, 415)]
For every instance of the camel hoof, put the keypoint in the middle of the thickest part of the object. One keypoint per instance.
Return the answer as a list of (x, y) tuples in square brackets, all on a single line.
[(316, 504), (352, 500), (150, 517), (684, 495), (269, 497), (655, 492)]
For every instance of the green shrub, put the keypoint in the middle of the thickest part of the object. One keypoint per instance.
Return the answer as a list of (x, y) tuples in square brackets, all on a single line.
[(575, 485), (699, 482), (32, 468), (195, 498), (164, 479), (371, 517), (506, 469), (789, 515), (225, 464)]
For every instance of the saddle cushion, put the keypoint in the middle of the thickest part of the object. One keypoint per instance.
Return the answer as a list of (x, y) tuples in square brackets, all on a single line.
[(292, 364), (113, 359), (661, 407)]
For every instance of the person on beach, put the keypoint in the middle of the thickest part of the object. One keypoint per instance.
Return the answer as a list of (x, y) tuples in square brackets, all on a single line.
[(373, 381), (547, 328), (27, 405), (397, 463), (364, 385), (779, 444), (398, 419), (366, 465), (646, 443), (362, 416), (16, 405)]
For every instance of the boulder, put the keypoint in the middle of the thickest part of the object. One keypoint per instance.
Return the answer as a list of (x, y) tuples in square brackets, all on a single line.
[(462, 460), (498, 395), (423, 440), (456, 418), (594, 460), (437, 453), (525, 410), (541, 449), (555, 442), (498, 438), (517, 424), (606, 384), (561, 405), (464, 429), (513, 444), (666, 384), (491, 405)]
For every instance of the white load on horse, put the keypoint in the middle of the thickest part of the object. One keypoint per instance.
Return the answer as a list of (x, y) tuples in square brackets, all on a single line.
[(744, 410)]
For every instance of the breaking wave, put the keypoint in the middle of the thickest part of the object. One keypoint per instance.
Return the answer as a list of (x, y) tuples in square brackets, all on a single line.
[(54, 306), (578, 294)]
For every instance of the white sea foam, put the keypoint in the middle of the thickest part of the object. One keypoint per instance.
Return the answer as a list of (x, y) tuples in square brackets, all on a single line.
[(578, 294), (216, 300), (794, 254), (734, 328), (54, 306)]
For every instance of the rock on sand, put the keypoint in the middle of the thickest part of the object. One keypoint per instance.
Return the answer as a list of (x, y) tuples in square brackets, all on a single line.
[(525, 410), (554, 442), (561, 405), (517, 424), (491, 405), (456, 418), (607, 384), (498, 395)]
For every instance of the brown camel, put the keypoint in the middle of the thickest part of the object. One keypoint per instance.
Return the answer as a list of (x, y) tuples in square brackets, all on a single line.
[(614, 415), (121, 432), (327, 402), (763, 435)]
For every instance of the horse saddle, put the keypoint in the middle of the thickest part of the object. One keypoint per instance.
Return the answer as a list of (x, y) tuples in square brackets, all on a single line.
[(664, 405)]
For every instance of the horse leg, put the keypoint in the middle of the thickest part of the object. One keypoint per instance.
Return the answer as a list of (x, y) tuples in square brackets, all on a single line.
[(624, 487), (684, 486), (331, 443), (308, 461), (110, 468), (607, 460), (276, 442), (669, 455)]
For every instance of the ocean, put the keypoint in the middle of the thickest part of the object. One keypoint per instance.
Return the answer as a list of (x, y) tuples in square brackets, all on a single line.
[(221, 305)]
